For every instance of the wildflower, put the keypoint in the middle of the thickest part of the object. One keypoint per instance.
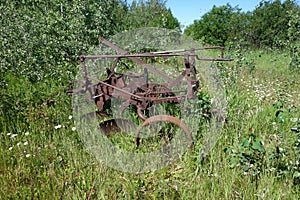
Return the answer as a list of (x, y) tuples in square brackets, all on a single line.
[(294, 119), (272, 169), (58, 126), (70, 117), (18, 144), (10, 148), (27, 155), (73, 128), (25, 143), (14, 135), (27, 133), (8, 134)]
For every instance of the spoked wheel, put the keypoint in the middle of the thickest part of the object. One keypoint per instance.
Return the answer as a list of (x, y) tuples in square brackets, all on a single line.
[(166, 118)]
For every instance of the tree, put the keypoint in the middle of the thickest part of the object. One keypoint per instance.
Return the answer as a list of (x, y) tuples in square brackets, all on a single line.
[(294, 41), (43, 39), (269, 23), (151, 13), (215, 26)]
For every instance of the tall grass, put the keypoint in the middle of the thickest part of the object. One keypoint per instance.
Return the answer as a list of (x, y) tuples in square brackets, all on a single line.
[(256, 157)]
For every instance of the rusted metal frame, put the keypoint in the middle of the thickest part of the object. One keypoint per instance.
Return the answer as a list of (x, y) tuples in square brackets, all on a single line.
[(214, 59), (138, 61), (141, 105), (134, 57), (148, 101), (177, 81), (192, 63), (70, 85), (83, 70), (132, 101), (130, 56), (187, 50), (121, 90), (188, 75), (157, 93), (146, 76), (115, 64), (176, 99), (87, 83)]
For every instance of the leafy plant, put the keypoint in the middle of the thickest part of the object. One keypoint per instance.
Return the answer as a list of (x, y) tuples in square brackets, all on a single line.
[(215, 26), (248, 155), (266, 26), (294, 46)]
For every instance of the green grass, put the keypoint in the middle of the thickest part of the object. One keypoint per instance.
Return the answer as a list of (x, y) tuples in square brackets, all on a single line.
[(44, 161)]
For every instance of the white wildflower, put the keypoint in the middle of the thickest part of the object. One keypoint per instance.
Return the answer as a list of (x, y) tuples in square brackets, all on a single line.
[(14, 135), (58, 126), (294, 120), (73, 128), (8, 134), (70, 117), (10, 148), (18, 144), (27, 155), (25, 143), (27, 133)]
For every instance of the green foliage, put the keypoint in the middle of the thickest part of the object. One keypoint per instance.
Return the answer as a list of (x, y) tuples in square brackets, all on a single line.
[(267, 26), (294, 41), (215, 26), (43, 40), (48, 150), (151, 13), (269, 23), (248, 155)]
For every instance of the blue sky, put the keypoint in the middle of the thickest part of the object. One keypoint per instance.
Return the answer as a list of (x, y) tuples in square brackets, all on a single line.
[(186, 11)]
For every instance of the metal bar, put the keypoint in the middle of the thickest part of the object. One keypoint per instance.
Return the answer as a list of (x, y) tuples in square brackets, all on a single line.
[(188, 50), (128, 55), (214, 59), (138, 61), (156, 93), (192, 62), (120, 90), (177, 81), (150, 68), (169, 99)]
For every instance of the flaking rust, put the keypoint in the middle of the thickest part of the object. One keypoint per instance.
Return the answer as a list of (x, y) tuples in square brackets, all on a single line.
[(145, 94)]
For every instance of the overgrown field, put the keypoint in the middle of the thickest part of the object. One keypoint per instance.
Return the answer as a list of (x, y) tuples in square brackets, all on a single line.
[(257, 155)]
